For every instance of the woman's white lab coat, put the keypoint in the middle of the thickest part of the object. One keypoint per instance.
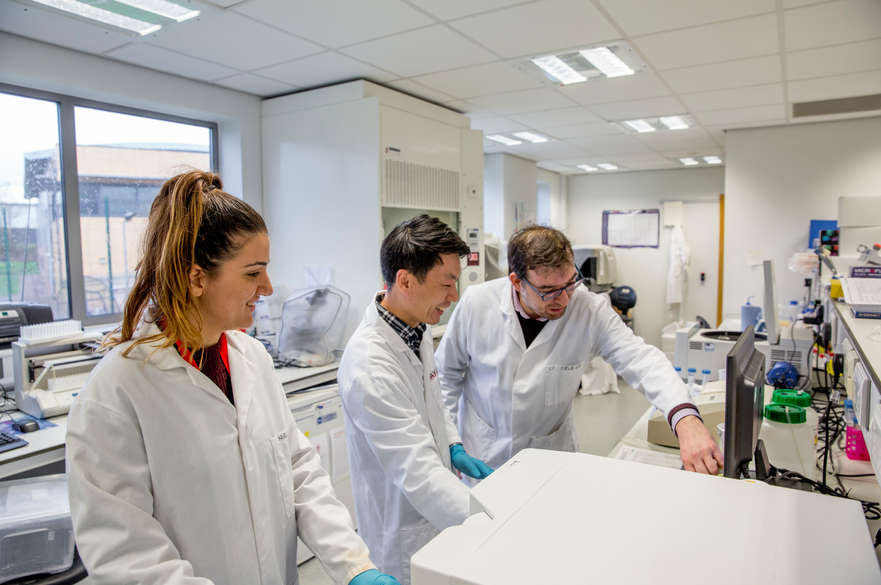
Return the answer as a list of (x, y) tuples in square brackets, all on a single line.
[(506, 397), (399, 437), (170, 484)]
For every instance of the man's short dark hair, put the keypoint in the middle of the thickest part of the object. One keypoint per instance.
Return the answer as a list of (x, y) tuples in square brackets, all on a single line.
[(537, 246), (416, 245)]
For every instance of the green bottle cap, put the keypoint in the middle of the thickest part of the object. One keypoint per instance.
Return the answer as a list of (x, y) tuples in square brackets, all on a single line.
[(785, 413), (793, 397)]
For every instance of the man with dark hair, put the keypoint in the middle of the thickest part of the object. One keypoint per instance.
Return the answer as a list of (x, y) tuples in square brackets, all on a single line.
[(403, 447), (514, 350)]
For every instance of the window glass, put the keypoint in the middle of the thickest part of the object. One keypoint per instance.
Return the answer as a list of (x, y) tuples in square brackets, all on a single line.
[(122, 160), (33, 259)]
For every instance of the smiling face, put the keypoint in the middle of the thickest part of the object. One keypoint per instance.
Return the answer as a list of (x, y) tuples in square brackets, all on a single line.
[(226, 297), (417, 302), (545, 279)]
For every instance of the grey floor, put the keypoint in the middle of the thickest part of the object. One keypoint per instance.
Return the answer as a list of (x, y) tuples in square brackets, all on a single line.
[(600, 422)]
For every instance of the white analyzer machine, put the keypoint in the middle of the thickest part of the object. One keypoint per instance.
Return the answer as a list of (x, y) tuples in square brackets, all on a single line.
[(553, 517)]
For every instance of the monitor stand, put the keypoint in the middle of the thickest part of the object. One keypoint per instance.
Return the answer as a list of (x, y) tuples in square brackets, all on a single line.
[(766, 472)]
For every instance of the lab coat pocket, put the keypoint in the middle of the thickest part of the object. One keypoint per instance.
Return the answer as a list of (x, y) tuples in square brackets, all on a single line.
[(284, 473), (562, 438), (561, 383)]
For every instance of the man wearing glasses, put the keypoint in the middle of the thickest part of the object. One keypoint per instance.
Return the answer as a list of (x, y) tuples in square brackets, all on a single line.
[(514, 350)]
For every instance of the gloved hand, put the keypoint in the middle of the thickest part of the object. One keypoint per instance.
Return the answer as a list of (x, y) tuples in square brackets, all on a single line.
[(470, 466), (373, 577)]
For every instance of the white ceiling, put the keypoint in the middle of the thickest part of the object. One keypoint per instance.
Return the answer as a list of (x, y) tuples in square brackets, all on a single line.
[(725, 64)]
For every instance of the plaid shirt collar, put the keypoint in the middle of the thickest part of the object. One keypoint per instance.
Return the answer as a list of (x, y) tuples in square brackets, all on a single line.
[(412, 336)]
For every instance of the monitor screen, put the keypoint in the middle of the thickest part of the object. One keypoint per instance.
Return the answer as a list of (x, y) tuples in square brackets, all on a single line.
[(744, 404)]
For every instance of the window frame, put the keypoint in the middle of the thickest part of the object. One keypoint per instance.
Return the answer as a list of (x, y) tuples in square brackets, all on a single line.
[(76, 292)]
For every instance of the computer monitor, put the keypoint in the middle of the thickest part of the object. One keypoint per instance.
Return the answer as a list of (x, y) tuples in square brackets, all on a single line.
[(744, 409)]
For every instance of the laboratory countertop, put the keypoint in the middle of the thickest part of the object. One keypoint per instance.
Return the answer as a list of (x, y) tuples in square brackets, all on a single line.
[(46, 446)]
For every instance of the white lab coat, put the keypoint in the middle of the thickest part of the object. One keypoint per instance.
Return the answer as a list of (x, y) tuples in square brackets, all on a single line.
[(677, 267), (399, 437), (170, 484), (506, 397)]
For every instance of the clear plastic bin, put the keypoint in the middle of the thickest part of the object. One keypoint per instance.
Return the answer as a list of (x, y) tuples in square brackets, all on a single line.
[(36, 532)]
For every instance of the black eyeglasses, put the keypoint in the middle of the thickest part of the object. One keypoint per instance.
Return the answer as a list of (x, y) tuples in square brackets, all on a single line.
[(555, 294)]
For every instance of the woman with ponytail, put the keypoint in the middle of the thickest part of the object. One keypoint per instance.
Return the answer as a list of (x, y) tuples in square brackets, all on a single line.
[(184, 463)]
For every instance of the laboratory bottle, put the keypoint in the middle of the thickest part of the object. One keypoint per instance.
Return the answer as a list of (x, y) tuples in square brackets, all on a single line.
[(789, 438), (679, 372), (850, 417), (793, 311), (705, 377), (692, 390), (749, 314)]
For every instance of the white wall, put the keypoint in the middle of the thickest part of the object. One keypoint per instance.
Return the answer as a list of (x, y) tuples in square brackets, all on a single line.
[(645, 269), (557, 185), (509, 182), (37, 65), (777, 179)]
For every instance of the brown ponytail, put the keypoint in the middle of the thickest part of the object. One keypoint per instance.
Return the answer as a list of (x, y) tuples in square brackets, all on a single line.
[(192, 221)]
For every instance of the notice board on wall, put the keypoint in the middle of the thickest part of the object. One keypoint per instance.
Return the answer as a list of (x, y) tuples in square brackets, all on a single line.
[(631, 228)]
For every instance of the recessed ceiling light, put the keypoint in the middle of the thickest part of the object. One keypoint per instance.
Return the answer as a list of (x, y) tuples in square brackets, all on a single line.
[(640, 125), (674, 122), (165, 9), (587, 168), (688, 161), (713, 160), (531, 137), (556, 68), (607, 62), (607, 166), (503, 139), (90, 12)]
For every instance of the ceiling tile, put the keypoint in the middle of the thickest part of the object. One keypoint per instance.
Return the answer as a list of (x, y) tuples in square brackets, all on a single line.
[(795, 3), (582, 130), (531, 100), (549, 150), (456, 8), (832, 24), (727, 41), (632, 87), (207, 37), (480, 80), (757, 95), (496, 125), (741, 115), (426, 50), (421, 91), (611, 145), (662, 140), (555, 166), (224, 3), (849, 58), (649, 108), (336, 23), (757, 71), (560, 117), (538, 27), (647, 160), (323, 69), (51, 27), (167, 61), (638, 17), (839, 86), (256, 85)]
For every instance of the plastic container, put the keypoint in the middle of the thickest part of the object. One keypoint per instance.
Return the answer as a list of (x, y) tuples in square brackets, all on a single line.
[(749, 314), (792, 397), (679, 372), (705, 377), (855, 444), (693, 389), (789, 438), (36, 532)]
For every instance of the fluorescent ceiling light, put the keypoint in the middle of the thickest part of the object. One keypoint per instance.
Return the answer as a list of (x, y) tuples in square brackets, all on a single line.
[(557, 68), (607, 62), (688, 161), (531, 137), (713, 160), (162, 8), (640, 125), (105, 16), (587, 168), (674, 122), (607, 166), (503, 139)]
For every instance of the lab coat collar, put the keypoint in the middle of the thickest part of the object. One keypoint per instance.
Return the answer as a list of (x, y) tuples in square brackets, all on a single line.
[(509, 313), (375, 320)]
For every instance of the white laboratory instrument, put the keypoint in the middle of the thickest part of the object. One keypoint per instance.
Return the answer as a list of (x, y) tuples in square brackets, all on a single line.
[(319, 415), (552, 517), (312, 326), (49, 373), (597, 262)]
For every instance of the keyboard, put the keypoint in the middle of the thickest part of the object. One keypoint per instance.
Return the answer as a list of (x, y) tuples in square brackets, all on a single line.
[(8, 442)]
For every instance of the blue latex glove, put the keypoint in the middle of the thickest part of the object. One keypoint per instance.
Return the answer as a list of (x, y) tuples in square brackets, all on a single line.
[(373, 577), (470, 466)]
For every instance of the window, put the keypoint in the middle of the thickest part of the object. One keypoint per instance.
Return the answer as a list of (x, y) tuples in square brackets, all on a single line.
[(77, 180)]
